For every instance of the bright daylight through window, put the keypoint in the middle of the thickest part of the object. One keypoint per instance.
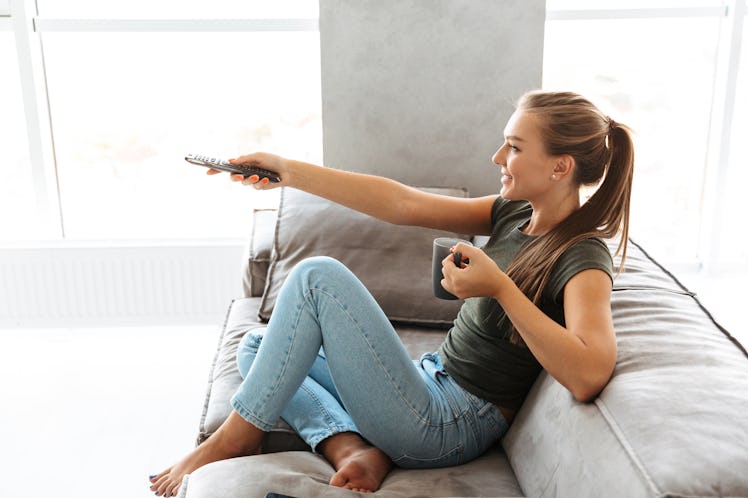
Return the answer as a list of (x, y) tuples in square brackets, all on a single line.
[(626, 79), (127, 104), (126, 107), (733, 244), (18, 213), (124, 123)]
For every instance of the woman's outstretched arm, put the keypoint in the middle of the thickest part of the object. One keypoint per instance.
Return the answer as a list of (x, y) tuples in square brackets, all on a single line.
[(376, 196)]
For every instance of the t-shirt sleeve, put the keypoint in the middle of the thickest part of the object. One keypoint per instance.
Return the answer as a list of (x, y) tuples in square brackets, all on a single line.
[(504, 211), (587, 254), (496, 209)]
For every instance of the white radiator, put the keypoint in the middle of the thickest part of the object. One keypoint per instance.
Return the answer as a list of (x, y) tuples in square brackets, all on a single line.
[(99, 284)]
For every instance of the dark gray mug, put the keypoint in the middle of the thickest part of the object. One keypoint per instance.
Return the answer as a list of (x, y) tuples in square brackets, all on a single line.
[(440, 251)]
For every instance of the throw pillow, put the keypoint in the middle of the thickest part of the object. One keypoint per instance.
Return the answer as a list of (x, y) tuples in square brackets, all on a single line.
[(308, 225)]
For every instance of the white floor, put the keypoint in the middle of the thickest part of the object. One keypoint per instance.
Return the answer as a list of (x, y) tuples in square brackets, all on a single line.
[(92, 412)]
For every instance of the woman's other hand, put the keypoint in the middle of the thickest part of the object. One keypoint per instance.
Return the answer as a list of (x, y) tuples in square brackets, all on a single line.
[(479, 277)]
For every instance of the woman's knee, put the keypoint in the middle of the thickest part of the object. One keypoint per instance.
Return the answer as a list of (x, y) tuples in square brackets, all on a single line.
[(319, 263), (317, 270)]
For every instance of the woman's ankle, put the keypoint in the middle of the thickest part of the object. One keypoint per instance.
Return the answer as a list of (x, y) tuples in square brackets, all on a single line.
[(237, 436), (339, 447)]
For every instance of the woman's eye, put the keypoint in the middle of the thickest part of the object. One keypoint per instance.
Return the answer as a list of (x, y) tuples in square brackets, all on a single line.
[(512, 147)]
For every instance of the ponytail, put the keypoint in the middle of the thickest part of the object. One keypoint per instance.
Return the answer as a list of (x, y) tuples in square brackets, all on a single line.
[(602, 149)]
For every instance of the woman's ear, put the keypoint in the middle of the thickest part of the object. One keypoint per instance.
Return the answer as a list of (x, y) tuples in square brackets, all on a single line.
[(564, 166)]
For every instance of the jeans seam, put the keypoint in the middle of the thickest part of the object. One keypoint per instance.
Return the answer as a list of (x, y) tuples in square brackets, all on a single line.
[(287, 354), (457, 450)]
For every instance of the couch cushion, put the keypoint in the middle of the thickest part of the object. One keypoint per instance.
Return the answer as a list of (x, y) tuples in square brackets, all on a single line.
[(393, 262), (671, 422), (256, 260), (303, 474)]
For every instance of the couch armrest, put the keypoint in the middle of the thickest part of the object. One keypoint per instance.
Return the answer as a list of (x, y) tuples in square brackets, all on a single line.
[(671, 421), (259, 249)]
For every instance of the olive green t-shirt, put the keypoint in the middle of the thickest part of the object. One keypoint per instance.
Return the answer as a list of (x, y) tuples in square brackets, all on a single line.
[(477, 351)]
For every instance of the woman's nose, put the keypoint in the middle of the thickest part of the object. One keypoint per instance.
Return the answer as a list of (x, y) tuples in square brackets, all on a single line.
[(497, 157)]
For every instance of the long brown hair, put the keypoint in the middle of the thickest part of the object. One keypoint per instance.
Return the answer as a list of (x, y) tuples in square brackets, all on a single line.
[(602, 149)]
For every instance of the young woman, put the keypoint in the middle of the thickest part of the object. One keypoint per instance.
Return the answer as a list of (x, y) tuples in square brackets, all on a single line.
[(537, 297)]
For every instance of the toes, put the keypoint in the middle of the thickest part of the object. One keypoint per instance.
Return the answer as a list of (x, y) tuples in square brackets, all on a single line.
[(172, 489), (162, 486), (338, 480), (157, 479)]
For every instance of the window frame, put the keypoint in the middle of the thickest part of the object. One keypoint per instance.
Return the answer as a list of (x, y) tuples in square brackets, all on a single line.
[(29, 28)]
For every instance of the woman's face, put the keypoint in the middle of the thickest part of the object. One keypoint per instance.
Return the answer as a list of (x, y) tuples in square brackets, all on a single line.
[(525, 165)]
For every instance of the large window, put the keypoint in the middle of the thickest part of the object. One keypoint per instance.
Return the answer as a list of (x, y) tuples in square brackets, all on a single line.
[(18, 210), (128, 98), (660, 85), (663, 67), (129, 93), (732, 229), (127, 107)]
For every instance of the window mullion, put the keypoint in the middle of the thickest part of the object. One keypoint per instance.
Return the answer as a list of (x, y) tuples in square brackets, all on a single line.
[(44, 24), (720, 134), (38, 124), (642, 13)]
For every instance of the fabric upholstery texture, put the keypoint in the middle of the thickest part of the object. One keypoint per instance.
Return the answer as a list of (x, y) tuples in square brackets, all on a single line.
[(259, 251), (394, 262), (304, 474), (671, 422)]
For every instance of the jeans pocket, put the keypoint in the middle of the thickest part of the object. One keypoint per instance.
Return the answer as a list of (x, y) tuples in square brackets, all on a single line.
[(480, 406), (488, 422)]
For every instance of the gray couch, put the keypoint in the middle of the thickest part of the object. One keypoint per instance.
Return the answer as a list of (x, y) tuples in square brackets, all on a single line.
[(673, 421)]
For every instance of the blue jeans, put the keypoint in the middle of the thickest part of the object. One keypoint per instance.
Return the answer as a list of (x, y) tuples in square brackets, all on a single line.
[(330, 361), (315, 411)]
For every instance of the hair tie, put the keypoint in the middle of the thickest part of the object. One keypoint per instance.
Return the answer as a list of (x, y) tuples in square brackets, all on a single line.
[(611, 124)]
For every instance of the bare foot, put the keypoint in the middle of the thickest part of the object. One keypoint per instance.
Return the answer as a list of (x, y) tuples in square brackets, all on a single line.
[(360, 466), (363, 471), (236, 437)]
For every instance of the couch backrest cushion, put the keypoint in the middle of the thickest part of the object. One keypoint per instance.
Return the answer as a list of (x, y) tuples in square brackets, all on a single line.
[(259, 251), (673, 421), (394, 262)]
